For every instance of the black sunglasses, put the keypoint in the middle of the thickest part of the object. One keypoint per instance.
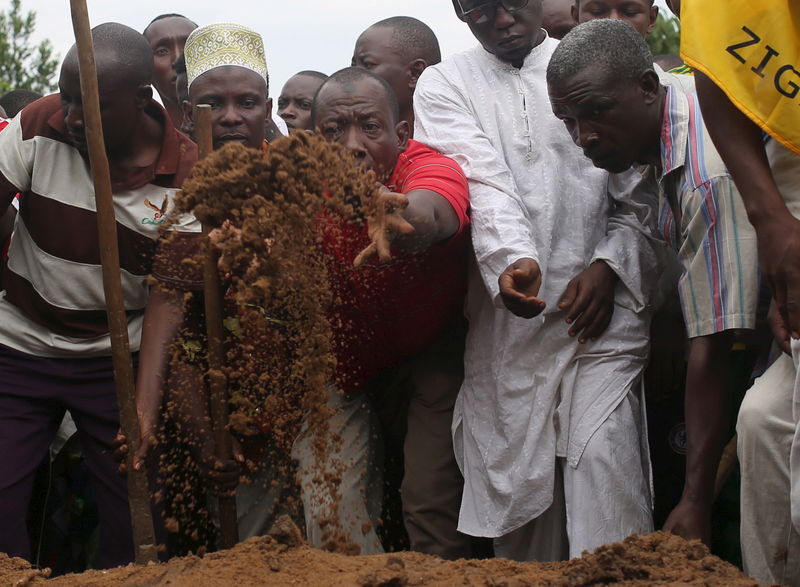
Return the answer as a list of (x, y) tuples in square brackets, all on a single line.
[(483, 13)]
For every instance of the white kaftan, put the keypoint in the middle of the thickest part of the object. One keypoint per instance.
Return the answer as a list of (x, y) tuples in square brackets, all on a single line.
[(533, 194)]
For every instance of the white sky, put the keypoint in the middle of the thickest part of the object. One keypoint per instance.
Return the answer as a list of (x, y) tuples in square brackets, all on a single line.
[(298, 34)]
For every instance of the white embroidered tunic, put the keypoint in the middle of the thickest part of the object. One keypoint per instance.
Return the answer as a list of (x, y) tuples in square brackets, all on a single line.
[(533, 194)]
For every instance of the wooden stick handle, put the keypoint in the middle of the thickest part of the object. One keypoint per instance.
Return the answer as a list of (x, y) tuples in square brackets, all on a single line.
[(138, 490), (217, 382)]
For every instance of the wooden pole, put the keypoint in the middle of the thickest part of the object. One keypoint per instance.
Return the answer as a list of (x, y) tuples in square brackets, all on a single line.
[(138, 490), (217, 382)]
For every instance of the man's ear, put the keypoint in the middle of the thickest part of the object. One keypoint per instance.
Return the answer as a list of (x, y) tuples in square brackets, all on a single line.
[(415, 69), (188, 116), (269, 110), (402, 130), (653, 18), (143, 96), (573, 10), (650, 86)]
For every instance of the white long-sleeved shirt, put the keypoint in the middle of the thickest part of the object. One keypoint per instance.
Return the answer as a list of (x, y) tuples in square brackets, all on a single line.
[(532, 194)]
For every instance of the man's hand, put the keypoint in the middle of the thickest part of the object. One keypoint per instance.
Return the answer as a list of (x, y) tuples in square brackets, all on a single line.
[(384, 222), (221, 476), (589, 301), (779, 253), (777, 326), (121, 449), (519, 286), (691, 520), (227, 240)]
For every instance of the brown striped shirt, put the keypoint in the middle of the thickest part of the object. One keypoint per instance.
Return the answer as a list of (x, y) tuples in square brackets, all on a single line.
[(53, 304)]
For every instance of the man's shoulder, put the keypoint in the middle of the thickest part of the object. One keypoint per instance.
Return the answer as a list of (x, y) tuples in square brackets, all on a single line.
[(43, 118), (703, 164), (419, 156), (455, 64)]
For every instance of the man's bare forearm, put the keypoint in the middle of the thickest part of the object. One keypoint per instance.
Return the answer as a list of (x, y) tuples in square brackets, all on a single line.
[(707, 409), (162, 319), (433, 219)]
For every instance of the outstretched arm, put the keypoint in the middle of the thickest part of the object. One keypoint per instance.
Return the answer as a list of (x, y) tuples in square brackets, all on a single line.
[(707, 408), (162, 319), (410, 222), (625, 262), (502, 231)]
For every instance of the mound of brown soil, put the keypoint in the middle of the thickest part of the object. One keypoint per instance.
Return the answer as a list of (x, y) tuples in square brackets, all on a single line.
[(653, 559)]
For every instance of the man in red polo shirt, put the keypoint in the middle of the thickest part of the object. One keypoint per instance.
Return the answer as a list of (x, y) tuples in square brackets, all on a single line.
[(399, 328)]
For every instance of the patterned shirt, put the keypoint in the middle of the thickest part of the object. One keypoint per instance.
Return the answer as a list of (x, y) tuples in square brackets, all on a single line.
[(53, 304), (682, 70), (716, 243)]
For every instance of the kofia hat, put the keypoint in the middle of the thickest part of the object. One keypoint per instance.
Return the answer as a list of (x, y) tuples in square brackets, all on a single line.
[(216, 45)]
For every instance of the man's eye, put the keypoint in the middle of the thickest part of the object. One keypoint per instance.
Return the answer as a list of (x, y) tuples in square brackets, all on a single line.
[(372, 127), (305, 105), (249, 103), (331, 132), (162, 52)]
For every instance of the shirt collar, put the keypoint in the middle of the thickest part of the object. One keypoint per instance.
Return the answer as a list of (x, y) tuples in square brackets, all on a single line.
[(674, 131), (169, 157), (530, 58)]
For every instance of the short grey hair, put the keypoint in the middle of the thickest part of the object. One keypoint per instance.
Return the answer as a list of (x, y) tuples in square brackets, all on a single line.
[(612, 45)]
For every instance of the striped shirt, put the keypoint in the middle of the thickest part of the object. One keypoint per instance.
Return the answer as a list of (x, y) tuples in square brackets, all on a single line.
[(716, 243), (53, 304), (682, 70)]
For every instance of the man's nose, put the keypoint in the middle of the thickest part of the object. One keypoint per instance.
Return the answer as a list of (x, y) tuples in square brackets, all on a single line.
[(229, 115), (585, 135), (502, 18), (74, 115), (352, 140)]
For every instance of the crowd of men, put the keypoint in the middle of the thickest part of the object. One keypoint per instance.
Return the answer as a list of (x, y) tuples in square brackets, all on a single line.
[(541, 200)]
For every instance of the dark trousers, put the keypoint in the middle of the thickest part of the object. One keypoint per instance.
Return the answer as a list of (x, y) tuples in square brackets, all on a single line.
[(414, 405), (34, 394)]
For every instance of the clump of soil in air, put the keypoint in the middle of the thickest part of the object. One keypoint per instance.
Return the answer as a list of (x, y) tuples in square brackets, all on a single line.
[(642, 561), (266, 209)]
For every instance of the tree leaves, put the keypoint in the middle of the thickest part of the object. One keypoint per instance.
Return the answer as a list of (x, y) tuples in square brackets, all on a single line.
[(22, 64)]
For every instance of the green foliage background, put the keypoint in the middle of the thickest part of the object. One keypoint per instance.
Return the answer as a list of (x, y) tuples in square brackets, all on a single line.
[(666, 36), (23, 65)]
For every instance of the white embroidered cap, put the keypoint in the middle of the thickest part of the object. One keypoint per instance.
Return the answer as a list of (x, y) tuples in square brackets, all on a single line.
[(222, 44)]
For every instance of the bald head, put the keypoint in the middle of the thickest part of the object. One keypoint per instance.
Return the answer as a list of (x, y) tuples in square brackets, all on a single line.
[(398, 49), (411, 38), (349, 78), (124, 70), (121, 53)]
